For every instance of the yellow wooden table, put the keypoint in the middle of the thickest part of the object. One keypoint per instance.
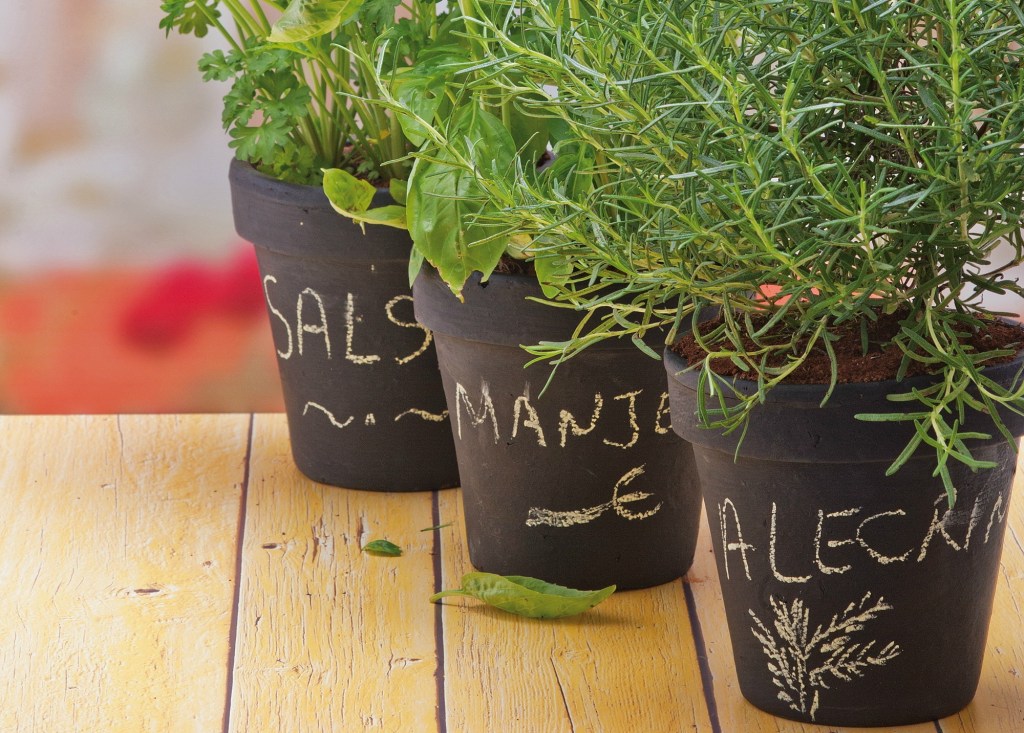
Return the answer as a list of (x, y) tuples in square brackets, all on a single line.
[(177, 573)]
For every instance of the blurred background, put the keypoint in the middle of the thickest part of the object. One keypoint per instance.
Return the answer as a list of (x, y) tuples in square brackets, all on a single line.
[(123, 287)]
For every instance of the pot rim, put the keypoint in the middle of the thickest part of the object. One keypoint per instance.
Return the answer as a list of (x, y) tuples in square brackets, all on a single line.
[(483, 314), (297, 220), (247, 169), (810, 395)]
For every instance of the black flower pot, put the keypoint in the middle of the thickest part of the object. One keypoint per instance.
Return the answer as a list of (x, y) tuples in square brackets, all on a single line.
[(852, 598), (583, 486), (361, 386)]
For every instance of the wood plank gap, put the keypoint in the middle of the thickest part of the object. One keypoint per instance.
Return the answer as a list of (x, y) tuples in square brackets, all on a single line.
[(436, 549), (938, 727), (237, 601), (706, 677)]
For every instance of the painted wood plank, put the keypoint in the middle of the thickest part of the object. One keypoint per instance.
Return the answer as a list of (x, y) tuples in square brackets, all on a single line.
[(118, 562), (330, 638), (627, 665), (734, 712), (999, 704)]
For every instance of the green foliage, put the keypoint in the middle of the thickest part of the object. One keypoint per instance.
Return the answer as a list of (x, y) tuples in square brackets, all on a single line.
[(445, 200), (351, 197), (301, 91), (469, 130), (306, 19), (375, 16), (850, 158), (384, 548), (526, 596), (189, 17)]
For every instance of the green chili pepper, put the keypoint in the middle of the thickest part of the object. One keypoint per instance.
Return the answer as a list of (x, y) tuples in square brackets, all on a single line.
[(382, 547), (526, 596)]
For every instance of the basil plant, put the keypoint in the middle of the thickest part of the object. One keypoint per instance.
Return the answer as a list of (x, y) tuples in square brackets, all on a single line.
[(468, 128)]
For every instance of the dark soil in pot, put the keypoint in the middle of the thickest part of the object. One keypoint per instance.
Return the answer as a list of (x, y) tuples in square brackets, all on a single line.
[(361, 386), (585, 485), (852, 598)]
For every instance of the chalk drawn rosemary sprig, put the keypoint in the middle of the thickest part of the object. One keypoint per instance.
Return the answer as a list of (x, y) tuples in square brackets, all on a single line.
[(802, 663)]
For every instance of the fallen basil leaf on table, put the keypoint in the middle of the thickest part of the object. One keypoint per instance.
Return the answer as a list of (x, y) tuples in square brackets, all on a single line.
[(382, 547), (526, 596), (436, 526)]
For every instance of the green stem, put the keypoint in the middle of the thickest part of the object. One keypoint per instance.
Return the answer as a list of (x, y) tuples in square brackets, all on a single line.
[(215, 21), (446, 594), (257, 7), (243, 19)]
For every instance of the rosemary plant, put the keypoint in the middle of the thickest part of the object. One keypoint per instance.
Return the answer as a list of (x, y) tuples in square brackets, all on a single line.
[(803, 167), (301, 96)]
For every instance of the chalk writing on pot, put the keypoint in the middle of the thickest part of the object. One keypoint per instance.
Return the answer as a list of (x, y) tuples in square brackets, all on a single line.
[(630, 398), (531, 420), (659, 417), (312, 323), (619, 503), (806, 658), (351, 319), (478, 411), (476, 416), (724, 510), (428, 337), (850, 535)]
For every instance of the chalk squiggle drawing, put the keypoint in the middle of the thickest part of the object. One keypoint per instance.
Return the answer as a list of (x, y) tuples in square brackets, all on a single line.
[(330, 415), (429, 416)]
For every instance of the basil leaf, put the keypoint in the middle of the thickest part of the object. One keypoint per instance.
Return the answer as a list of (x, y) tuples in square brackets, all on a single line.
[(382, 547), (348, 194), (447, 203), (389, 216), (421, 88), (526, 596), (551, 269), (415, 265), (397, 187), (530, 133), (304, 19), (436, 526), (351, 197)]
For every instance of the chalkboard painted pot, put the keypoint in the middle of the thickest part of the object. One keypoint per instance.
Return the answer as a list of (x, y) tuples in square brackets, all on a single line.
[(851, 598), (585, 485), (361, 386)]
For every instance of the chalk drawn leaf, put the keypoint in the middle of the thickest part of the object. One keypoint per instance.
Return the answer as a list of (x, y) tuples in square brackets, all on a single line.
[(526, 596), (538, 516), (385, 548), (803, 662)]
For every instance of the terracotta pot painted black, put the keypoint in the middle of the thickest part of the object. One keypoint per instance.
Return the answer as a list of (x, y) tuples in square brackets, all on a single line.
[(585, 485), (361, 386), (852, 598)]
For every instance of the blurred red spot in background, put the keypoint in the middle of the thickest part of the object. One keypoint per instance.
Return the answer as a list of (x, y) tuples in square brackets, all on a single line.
[(191, 337)]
